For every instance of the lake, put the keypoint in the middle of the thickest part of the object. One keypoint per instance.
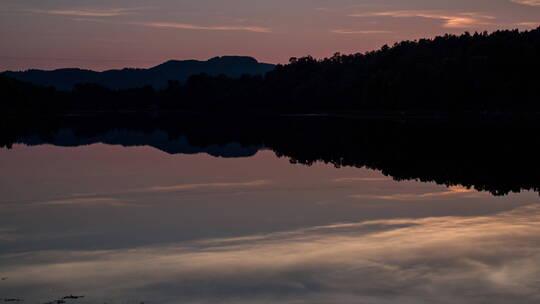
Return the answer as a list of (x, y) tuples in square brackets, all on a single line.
[(125, 215)]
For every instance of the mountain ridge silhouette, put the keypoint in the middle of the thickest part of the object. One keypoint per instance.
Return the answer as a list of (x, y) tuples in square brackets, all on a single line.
[(157, 76)]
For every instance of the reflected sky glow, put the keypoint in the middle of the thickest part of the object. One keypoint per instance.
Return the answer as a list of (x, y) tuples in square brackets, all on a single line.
[(135, 224), (450, 259)]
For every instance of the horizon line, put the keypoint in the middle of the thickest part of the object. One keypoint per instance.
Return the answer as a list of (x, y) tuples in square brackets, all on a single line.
[(157, 62)]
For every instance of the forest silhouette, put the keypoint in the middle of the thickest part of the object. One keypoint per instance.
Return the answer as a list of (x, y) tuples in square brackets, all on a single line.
[(496, 72), (455, 110)]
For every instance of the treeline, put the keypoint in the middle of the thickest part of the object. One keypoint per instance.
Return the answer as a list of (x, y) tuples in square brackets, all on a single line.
[(21, 97), (470, 72), (482, 71)]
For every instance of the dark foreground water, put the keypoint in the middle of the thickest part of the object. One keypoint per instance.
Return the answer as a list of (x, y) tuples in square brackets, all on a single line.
[(138, 222)]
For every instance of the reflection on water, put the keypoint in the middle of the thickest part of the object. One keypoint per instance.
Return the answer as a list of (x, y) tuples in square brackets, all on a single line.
[(134, 224), (484, 259), (497, 156)]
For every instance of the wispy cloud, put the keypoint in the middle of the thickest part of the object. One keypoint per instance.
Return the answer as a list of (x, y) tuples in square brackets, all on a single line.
[(187, 26), (7, 234), (255, 183), (460, 20), (87, 12), (527, 2), (94, 199), (529, 24), (85, 201), (360, 179), (452, 191), (424, 260), (360, 32), (325, 9)]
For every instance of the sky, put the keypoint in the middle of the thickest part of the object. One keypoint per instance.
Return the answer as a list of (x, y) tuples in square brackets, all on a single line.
[(99, 35)]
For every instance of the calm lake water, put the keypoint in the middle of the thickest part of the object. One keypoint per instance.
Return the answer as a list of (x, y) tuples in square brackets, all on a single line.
[(135, 224)]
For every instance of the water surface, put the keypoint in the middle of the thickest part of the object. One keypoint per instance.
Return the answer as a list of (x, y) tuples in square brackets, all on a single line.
[(135, 224)]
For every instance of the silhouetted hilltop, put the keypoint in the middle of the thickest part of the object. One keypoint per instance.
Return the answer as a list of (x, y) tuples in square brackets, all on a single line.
[(157, 139), (480, 72), (157, 77)]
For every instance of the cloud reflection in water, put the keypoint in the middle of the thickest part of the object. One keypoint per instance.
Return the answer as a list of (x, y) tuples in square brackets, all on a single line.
[(483, 259)]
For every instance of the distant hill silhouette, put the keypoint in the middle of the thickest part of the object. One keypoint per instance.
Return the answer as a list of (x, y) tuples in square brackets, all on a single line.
[(157, 77), (127, 138), (480, 72)]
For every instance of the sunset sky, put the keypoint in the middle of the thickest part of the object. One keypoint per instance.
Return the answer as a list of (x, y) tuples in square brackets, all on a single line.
[(101, 34)]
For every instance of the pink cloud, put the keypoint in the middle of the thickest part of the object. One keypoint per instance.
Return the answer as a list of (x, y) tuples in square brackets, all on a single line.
[(459, 20)]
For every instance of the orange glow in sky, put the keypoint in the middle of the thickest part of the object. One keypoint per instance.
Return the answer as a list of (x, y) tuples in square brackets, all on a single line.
[(114, 34)]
